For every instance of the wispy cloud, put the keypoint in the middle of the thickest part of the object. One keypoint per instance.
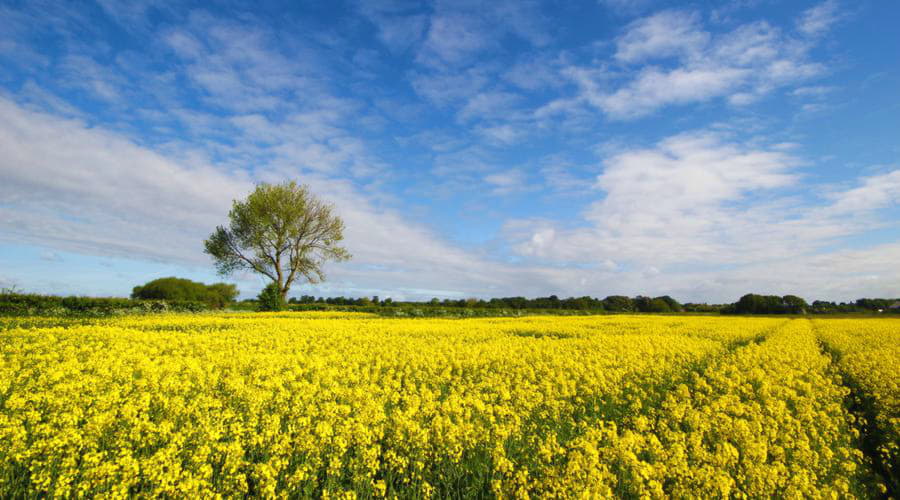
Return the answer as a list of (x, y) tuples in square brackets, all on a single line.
[(510, 181), (665, 34), (819, 19), (741, 65)]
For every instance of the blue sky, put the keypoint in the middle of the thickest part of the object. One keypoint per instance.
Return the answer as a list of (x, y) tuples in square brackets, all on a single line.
[(697, 149)]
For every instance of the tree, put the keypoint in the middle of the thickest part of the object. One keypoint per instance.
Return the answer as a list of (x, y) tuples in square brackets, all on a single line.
[(794, 304), (750, 303), (281, 231), (673, 304), (618, 303), (217, 295), (658, 305)]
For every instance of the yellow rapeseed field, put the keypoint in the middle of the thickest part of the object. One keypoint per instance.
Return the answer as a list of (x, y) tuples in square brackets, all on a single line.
[(352, 405)]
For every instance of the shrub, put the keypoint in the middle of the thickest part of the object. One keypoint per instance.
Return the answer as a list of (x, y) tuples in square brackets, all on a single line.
[(216, 296), (270, 299)]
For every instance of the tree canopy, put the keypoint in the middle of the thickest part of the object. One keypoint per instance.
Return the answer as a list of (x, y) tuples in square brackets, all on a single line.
[(281, 231), (217, 295)]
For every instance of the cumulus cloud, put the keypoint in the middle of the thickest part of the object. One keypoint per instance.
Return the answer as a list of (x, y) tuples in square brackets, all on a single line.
[(696, 205)]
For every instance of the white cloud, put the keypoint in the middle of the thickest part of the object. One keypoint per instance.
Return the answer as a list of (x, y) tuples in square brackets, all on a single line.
[(879, 191), (664, 34), (669, 58), (817, 20), (654, 88), (704, 210)]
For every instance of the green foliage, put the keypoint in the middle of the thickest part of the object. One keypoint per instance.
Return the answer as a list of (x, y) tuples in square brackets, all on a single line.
[(217, 295), (19, 304), (281, 231), (618, 303), (752, 303), (170, 289), (270, 299), (220, 295), (673, 304)]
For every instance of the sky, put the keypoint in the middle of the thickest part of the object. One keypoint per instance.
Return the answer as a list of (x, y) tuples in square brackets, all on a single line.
[(474, 149)]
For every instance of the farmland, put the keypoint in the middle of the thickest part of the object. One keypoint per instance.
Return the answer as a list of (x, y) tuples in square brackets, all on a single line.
[(348, 405)]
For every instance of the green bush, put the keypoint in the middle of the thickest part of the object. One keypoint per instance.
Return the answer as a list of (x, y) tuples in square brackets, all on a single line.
[(217, 295), (270, 299)]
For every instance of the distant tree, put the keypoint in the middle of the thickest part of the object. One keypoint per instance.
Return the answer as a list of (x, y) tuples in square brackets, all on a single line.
[(220, 295), (794, 305), (280, 231), (659, 305), (707, 308), (874, 304), (673, 304), (270, 298), (641, 303), (171, 288), (217, 295), (750, 303), (824, 307), (769, 304), (618, 303)]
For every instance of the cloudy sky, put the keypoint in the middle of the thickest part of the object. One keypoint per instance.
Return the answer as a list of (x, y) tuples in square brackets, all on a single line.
[(698, 149)]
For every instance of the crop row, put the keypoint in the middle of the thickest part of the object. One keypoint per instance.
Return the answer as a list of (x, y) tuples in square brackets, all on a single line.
[(868, 354)]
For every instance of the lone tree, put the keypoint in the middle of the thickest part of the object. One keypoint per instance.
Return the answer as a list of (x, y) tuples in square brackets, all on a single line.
[(280, 231)]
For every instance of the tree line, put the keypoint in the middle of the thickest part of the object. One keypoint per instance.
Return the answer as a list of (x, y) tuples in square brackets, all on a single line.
[(613, 303), (747, 304)]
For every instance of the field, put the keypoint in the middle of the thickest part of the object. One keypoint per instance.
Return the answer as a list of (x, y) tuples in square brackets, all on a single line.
[(351, 405)]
